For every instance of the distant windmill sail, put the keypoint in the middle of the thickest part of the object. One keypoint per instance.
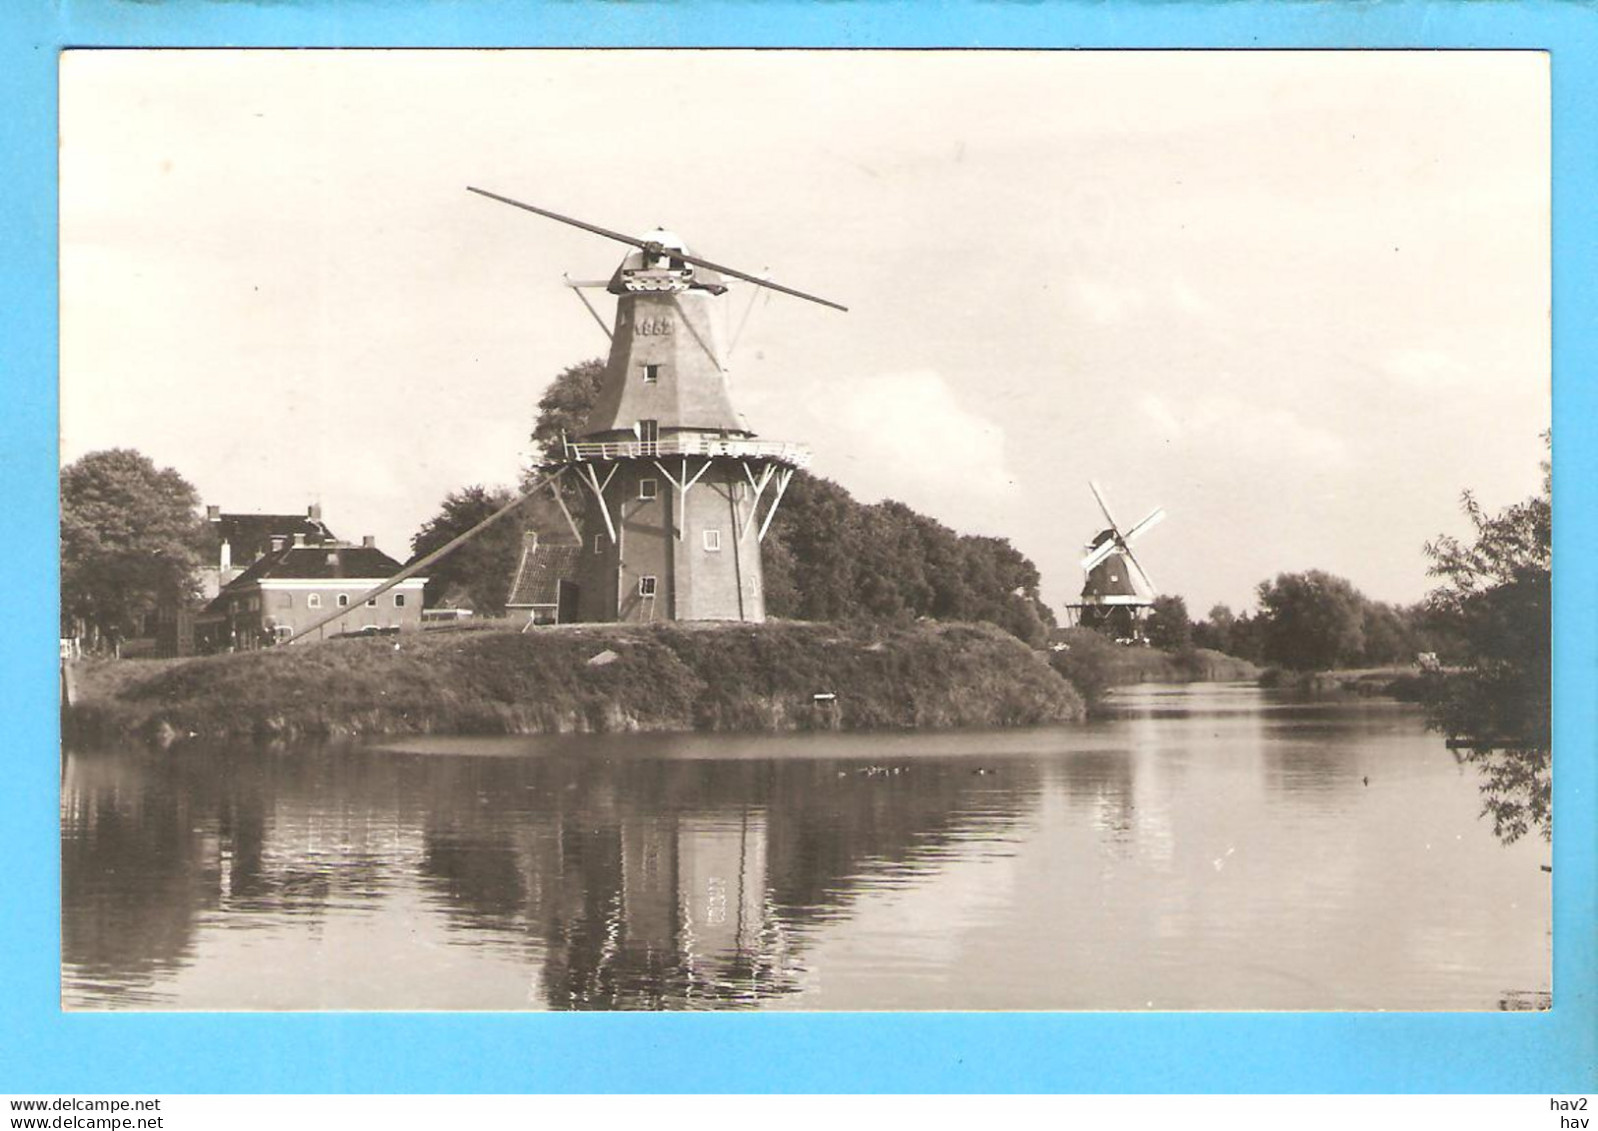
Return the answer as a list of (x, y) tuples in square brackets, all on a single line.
[(1116, 590)]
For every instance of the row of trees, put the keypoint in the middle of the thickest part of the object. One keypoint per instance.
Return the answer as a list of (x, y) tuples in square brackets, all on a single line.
[(1311, 621), (1314, 621), (829, 557)]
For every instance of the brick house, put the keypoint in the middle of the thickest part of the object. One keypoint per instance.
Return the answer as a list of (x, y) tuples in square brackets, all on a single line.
[(232, 543), (238, 540), (291, 586)]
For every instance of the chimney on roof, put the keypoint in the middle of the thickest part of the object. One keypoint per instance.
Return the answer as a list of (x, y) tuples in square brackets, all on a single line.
[(369, 541), (299, 541), (277, 542), (224, 557), (213, 514), (314, 512)]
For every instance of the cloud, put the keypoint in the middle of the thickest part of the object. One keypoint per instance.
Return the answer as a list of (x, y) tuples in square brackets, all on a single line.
[(1108, 303), (1105, 302), (1244, 430), (1187, 299), (908, 436), (1422, 369)]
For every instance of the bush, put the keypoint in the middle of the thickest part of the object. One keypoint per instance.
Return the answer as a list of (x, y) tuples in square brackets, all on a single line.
[(1088, 660)]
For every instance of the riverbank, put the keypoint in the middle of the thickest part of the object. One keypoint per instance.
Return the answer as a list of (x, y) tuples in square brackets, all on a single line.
[(1403, 683), (584, 679), (1095, 665)]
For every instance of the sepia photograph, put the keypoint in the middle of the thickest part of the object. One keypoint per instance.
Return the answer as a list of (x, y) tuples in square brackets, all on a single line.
[(818, 530)]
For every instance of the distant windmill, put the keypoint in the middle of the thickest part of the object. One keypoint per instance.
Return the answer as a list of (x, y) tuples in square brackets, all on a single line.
[(1118, 591)]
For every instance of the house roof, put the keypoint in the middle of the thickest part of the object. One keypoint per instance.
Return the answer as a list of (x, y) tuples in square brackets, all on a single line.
[(538, 573), (250, 535), (314, 563), (319, 562)]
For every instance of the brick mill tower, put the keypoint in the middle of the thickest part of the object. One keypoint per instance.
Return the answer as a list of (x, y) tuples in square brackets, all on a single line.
[(678, 492)]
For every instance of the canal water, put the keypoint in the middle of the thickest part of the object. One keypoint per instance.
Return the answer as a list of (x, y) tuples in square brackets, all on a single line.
[(1209, 847)]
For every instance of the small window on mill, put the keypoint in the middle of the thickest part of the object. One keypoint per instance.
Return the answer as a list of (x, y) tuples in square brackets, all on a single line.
[(651, 374), (646, 586), (648, 488), (712, 540)]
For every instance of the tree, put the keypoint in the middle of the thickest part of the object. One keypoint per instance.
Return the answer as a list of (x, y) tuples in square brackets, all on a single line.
[(1389, 635), (828, 557), (1497, 593), (565, 406), (131, 541), (1087, 658), (1215, 631), (1313, 621), (815, 535), (1246, 638), (1003, 589), (1168, 626), (478, 573)]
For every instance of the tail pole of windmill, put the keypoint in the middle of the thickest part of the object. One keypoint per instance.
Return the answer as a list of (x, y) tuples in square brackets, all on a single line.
[(678, 492)]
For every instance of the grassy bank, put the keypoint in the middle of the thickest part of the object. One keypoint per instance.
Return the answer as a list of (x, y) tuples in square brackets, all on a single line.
[(1094, 664), (585, 678), (1395, 683)]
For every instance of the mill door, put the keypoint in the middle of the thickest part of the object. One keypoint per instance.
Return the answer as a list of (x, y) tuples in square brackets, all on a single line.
[(649, 437), (566, 593)]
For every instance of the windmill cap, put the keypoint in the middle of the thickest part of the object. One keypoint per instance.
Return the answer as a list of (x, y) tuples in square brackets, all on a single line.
[(665, 239), (642, 270)]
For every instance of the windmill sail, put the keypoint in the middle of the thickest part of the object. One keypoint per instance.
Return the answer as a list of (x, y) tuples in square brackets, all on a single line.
[(1116, 589)]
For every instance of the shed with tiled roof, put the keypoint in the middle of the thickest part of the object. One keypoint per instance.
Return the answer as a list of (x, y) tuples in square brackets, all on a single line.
[(545, 582)]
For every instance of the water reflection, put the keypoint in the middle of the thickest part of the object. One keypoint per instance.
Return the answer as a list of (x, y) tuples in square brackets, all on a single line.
[(1208, 848), (638, 882)]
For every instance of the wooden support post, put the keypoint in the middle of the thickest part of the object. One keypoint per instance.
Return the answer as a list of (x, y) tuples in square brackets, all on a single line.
[(759, 489), (554, 489), (698, 474), (577, 289), (682, 487), (782, 485), (598, 490)]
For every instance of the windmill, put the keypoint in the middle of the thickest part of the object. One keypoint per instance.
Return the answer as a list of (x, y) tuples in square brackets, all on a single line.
[(678, 492), (1117, 592)]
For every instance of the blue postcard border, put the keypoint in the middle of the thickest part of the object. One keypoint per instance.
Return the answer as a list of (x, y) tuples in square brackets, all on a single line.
[(43, 1050)]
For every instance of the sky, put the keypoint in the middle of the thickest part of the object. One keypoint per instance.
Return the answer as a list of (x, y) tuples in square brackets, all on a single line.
[(1298, 299)]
